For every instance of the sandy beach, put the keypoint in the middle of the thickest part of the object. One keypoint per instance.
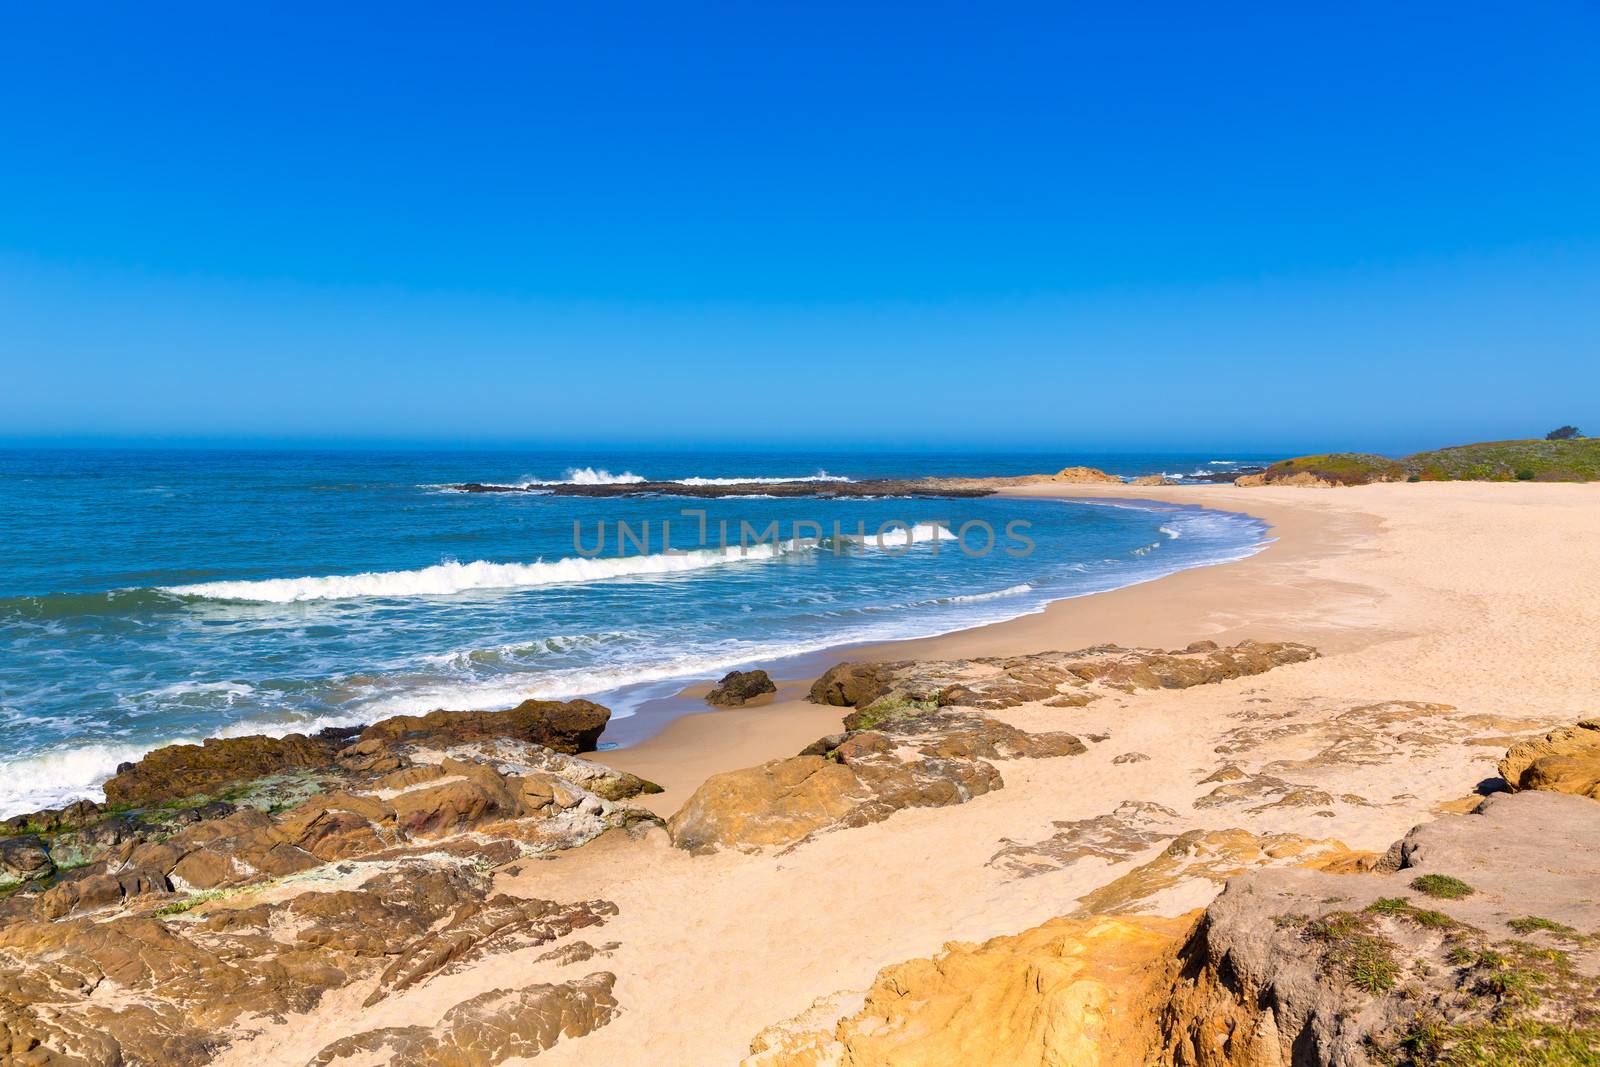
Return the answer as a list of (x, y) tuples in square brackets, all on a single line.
[(1475, 604)]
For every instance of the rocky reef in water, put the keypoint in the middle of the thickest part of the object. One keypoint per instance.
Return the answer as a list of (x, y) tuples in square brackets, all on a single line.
[(867, 488)]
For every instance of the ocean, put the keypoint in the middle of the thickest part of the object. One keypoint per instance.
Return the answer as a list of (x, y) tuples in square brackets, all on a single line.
[(148, 597)]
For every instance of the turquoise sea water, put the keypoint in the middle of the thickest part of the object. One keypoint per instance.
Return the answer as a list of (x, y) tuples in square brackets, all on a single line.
[(148, 597)]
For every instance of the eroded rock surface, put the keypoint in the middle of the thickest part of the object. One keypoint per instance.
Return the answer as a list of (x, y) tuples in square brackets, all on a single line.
[(1563, 761), (1476, 941), (176, 940), (1056, 994), (1065, 679), (179, 772), (487, 1029), (1302, 967), (912, 760)]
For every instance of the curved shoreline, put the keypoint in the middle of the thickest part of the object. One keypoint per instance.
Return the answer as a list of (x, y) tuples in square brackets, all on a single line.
[(689, 688), (1224, 601)]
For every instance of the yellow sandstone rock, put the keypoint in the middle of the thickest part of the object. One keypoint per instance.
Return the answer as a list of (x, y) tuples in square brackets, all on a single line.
[(1069, 993)]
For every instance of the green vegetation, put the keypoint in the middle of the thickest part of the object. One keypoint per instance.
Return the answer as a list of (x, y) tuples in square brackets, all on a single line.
[(1365, 958), (1558, 459), (1442, 886), (1340, 468), (1521, 1044), (1401, 908), (178, 907), (1528, 924)]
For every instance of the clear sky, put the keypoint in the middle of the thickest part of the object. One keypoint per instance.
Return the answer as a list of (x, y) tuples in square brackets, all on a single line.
[(1113, 226)]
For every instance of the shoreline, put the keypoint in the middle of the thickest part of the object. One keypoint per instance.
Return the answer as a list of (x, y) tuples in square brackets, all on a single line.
[(1168, 611), (675, 699)]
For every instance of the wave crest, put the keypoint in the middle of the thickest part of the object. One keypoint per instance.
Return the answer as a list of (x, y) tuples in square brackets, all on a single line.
[(451, 577)]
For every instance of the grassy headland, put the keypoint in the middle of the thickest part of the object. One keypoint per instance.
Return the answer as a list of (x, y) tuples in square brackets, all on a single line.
[(1492, 461)]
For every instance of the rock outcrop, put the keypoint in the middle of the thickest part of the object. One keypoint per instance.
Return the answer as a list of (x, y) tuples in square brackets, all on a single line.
[(926, 759), (487, 1029), (1564, 761), (918, 736), (1055, 994), (209, 920), (1086, 476), (180, 772), (738, 688), (1467, 949), (1472, 942), (1061, 679)]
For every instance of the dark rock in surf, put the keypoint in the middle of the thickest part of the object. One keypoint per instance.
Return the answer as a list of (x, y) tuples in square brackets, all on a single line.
[(739, 687)]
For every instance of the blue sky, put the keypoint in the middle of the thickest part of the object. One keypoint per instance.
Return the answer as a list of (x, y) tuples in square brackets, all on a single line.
[(1110, 226)]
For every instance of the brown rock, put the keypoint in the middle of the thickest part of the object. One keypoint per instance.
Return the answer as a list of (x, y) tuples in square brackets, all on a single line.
[(931, 759), (740, 687), (488, 1029), (176, 772), (566, 726), (23, 859), (847, 685), (777, 803), (1057, 679)]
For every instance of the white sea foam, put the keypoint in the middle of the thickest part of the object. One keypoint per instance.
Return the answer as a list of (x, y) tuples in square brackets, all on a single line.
[(451, 577), (820, 476), (998, 594), (61, 776), (901, 536), (601, 476), (596, 476), (1171, 532)]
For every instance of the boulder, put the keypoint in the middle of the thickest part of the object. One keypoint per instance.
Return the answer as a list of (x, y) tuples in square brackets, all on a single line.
[(777, 803), (847, 685), (1153, 479), (23, 859), (1563, 761), (739, 687), (566, 726)]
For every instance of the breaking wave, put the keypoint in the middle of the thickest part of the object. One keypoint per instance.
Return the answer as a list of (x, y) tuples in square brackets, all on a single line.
[(451, 577)]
